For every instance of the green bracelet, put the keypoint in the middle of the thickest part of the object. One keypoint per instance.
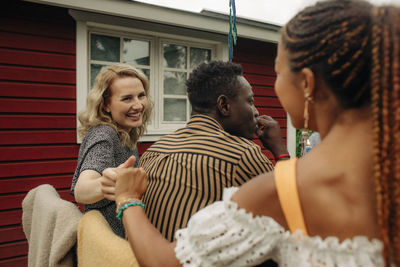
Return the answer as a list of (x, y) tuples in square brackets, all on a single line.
[(128, 204)]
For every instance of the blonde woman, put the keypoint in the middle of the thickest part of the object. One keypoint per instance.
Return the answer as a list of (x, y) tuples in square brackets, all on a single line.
[(117, 112)]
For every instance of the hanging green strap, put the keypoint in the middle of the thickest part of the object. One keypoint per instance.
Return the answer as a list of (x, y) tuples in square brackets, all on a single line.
[(232, 36)]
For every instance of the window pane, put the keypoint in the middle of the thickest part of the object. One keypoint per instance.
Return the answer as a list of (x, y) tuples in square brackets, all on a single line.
[(174, 56), (104, 48), (174, 109), (199, 55), (94, 70), (174, 83), (146, 72), (136, 52)]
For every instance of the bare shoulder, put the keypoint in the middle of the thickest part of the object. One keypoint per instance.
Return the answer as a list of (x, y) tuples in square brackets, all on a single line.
[(260, 197), (337, 198)]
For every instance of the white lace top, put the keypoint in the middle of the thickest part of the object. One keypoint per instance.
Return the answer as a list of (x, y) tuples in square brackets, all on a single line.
[(223, 235)]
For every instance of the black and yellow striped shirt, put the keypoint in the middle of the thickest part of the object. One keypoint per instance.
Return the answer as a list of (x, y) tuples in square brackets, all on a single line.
[(188, 169)]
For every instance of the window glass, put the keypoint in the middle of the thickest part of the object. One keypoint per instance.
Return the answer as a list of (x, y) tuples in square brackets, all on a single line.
[(94, 70), (174, 83), (174, 109), (198, 56), (146, 72), (136, 52), (104, 48), (174, 56)]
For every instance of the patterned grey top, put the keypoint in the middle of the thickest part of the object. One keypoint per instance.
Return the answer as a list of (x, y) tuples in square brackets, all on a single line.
[(101, 149)]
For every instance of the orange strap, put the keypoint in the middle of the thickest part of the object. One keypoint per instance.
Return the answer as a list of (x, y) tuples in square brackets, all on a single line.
[(285, 181)]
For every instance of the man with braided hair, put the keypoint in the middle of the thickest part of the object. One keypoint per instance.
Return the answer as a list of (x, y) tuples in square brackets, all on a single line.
[(338, 73)]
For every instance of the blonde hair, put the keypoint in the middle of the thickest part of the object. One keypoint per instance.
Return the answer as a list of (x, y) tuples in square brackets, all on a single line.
[(98, 97)]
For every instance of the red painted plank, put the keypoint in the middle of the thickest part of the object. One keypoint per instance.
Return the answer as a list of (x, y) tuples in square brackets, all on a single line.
[(142, 147), (267, 102), (38, 152), (282, 122), (37, 75), (10, 217), (37, 106), (67, 196), (249, 56), (256, 46), (15, 201), (37, 168), (254, 79), (37, 137), (13, 262), (35, 90), (26, 184), (264, 91), (37, 28), (37, 59), (273, 112), (13, 249), (37, 43), (10, 234), (254, 51), (254, 68), (37, 122)]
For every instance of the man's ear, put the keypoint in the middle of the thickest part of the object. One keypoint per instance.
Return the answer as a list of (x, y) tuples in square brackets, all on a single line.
[(308, 82), (223, 105)]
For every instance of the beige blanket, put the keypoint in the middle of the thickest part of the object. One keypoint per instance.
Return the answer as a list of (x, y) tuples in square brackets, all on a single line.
[(99, 246), (50, 224)]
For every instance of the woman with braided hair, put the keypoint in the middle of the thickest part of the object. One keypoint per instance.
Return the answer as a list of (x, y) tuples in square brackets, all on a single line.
[(338, 73)]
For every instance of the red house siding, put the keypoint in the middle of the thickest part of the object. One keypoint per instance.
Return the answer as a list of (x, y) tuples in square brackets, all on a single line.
[(257, 59), (37, 113), (38, 108)]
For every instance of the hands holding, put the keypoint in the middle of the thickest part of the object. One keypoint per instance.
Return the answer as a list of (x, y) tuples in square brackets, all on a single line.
[(124, 182), (269, 132)]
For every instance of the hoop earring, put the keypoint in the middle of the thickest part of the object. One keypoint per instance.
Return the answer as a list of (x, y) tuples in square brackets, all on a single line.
[(305, 142)]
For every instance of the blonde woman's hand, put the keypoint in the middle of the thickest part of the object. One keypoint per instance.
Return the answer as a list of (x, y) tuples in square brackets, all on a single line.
[(130, 183), (109, 177)]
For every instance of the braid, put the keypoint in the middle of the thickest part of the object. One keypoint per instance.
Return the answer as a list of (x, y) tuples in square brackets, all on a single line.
[(375, 92), (326, 38), (386, 110), (343, 42), (396, 136)]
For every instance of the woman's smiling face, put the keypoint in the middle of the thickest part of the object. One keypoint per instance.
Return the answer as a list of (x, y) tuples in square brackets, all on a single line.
[(127, 103)]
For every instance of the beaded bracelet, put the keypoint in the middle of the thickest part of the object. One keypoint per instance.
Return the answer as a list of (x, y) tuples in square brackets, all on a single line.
[(282, 156), (126, 200), (128, 204)]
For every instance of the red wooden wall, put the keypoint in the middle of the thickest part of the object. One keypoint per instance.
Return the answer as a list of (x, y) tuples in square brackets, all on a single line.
[(38, 108), (257, 59), (37, 112)]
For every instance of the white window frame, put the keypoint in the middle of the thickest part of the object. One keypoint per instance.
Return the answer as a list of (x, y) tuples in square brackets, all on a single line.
[(84, 27), (169, 126)]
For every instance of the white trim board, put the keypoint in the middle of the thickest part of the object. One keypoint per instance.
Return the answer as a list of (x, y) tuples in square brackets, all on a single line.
[(141, 11)]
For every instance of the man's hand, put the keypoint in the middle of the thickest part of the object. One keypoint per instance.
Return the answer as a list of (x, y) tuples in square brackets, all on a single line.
[(269, 132), (109, 177)]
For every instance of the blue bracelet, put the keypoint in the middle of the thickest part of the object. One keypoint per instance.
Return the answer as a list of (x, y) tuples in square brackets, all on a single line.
[(128, 204)]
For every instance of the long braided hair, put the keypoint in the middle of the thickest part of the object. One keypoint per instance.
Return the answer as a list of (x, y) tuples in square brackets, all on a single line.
[(355, 48)]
